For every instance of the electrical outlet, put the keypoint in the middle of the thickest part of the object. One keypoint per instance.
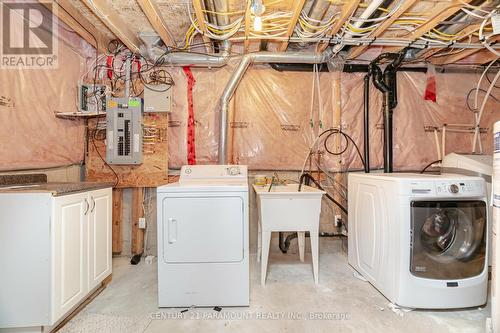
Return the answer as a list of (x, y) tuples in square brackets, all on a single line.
[(338, 222), (142, 223)]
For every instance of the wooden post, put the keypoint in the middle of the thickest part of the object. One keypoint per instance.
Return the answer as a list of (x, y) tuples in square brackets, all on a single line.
[(117, 220), (137, 212)]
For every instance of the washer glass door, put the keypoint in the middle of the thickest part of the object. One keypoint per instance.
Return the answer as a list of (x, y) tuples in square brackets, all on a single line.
[(448, 239)]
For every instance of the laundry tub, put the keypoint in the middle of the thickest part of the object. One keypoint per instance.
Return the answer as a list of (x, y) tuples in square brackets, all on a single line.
[(284, 208)]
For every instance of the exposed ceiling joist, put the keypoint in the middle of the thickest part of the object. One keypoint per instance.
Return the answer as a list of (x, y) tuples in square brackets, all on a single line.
[(297, 6), (200, 17), (467, 32), (153, 14), (452, 58), (347, 10), (358, 50), (431, 23), (247, 25), (108, 16), (68, 14)]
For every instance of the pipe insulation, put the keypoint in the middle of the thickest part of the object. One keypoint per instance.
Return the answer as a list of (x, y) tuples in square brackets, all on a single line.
[(246, 61)]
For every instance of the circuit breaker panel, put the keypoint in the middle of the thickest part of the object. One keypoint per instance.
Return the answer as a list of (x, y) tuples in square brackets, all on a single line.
[(124, 131)]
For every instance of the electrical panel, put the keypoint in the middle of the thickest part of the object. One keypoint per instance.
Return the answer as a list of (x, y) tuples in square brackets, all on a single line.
[(124, 131), (92, 98), (158, 98)]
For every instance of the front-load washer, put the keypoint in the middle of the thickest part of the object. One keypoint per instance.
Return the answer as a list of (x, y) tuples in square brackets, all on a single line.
[(420, 239), (203, 238)]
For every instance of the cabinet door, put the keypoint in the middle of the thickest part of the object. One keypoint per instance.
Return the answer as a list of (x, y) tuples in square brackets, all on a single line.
[(99, 236), (69, 250)]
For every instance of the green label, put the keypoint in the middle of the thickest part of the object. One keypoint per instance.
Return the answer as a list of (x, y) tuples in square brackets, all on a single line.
[(134, 102)]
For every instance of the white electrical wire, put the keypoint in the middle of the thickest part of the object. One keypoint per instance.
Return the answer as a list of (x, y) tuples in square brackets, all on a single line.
[(481, 110)]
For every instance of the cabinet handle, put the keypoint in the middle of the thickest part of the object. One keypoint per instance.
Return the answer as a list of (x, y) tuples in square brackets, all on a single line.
[(93, 204), (86, 207)]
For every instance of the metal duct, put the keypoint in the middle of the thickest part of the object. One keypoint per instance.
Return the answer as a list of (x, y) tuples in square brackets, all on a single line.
[(202, 60), (246, 61), (222, 6)]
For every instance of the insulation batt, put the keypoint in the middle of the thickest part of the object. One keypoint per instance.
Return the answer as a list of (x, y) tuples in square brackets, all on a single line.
[(30, 134), (270, 115)]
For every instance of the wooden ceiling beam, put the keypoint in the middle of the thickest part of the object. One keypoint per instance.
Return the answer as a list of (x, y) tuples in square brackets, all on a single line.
[(347, 10), (452, 58), (68, 14), (200, 17), (297, 6), (152, 12), (442, 15), (247, 25), (358, 50), (110, 18)]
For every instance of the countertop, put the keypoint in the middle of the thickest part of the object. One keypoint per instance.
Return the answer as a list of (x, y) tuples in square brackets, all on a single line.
[(57, 189)]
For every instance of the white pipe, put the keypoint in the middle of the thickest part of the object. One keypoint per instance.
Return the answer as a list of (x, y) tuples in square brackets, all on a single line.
[(436, 140), (372, 7), (481, 110), (443, 141)]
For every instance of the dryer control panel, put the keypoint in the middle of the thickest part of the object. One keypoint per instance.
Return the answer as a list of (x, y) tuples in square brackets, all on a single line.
[(213, 173)]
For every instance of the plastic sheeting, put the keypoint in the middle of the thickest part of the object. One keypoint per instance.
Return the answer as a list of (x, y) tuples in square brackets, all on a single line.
[(270, 118), (30, 134)]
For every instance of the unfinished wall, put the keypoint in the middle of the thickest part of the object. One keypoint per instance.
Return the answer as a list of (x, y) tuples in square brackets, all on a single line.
[(270, 120), (30, 134)]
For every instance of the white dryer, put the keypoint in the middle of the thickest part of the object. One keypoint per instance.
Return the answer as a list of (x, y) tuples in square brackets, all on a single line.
[(203, 238), (420, 239)]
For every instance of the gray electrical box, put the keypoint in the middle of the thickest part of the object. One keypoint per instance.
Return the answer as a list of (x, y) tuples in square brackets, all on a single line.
[(158, 98), (124, 131), (92, 98)]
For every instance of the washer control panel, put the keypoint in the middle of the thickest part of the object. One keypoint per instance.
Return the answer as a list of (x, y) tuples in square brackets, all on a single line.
[(464, 188)]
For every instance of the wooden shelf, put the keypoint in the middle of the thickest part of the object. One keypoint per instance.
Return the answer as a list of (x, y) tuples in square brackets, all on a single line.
[(82, 115)]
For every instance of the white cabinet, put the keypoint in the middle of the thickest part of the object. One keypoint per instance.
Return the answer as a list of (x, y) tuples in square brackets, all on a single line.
[(99, 236), (59, 250), (70, 222)]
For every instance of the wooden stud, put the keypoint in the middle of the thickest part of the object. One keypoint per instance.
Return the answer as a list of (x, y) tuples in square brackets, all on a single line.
[(356, 51), (198, 9), (297, 9), (347, 10), (156, 19), (137, 212), (431, 23), (108, 16), (117, 220), (68, 14)]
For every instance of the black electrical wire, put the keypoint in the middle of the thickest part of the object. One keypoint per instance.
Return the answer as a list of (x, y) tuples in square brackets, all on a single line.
[(347, 138), (473, 90), (429, 165)]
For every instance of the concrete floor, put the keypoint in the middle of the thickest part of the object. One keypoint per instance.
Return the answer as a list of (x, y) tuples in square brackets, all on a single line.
[(128, 304)]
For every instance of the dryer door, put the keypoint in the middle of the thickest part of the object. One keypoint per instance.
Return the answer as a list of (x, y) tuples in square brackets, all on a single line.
[(448, 239), (198, 229)]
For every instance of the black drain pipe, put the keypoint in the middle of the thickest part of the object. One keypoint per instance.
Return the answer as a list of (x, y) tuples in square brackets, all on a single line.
[(366, 121), (386, 83)]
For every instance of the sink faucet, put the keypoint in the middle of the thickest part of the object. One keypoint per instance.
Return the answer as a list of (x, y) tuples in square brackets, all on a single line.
[(275, 177)]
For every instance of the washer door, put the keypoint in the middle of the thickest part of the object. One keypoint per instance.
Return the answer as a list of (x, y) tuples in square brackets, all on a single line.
[(448, 239)]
